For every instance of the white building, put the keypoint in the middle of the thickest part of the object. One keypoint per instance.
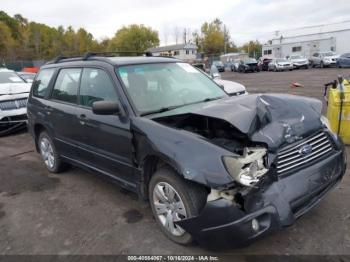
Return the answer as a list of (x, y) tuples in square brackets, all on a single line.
[(308, 40), (230, 57), (186, 52)]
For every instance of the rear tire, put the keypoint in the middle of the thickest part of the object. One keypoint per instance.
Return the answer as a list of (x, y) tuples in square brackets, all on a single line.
[(49, 154), (165, 204)]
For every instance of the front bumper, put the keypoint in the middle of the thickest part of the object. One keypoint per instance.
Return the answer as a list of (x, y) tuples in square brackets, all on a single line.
[(13, 122), (279, 204), (298, 65), (284, 67), (330, 62)]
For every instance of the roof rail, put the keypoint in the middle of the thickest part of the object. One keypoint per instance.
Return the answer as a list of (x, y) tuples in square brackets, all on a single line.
[(87, 55), (107, 54)]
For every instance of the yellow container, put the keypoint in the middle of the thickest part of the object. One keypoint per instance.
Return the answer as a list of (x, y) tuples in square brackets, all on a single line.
[(333, 111)]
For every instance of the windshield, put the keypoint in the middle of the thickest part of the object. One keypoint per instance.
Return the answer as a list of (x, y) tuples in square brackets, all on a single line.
[(155, 87), (219, 63), (250, 60), (296, 57), (10, 77), (281, 60), (328, 54)]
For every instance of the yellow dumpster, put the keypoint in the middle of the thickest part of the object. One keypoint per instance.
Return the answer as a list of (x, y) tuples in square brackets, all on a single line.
[(338, 110)]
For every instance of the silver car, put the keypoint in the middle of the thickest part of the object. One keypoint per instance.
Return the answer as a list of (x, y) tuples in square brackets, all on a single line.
[(324, 59), (280, 64), (299, 61)]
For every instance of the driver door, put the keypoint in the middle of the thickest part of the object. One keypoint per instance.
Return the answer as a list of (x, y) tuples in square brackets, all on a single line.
[(105, 137)]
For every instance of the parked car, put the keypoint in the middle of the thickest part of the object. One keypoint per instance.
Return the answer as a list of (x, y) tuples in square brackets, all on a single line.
[(28, 77), (14, 92), (299, 61), (264, 63), (280, 64), (324, 59), (231, 88), (344, 60), (235, 65), (248, 65), (219, 65), (215, 169)]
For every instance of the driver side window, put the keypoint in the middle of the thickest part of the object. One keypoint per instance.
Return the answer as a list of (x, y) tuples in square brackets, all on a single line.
[(96, 86)]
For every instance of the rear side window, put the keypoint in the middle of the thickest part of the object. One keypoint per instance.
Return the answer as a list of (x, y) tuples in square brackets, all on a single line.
[(96, 86), (42, 81), (66, 86)]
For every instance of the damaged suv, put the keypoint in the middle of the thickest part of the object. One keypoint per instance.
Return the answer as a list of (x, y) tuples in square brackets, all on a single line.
[(214, 168)]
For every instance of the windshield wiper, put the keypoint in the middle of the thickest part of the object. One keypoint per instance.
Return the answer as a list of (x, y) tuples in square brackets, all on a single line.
[(164, 109), (160, 110), (210, 99)]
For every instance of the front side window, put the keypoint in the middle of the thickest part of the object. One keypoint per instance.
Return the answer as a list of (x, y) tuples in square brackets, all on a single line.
[(153, 87), (66, 86), (96, 86), (42, 81)]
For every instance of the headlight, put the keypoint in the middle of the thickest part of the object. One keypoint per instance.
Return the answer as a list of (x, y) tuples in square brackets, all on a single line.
[(247, 169), (325, 122)]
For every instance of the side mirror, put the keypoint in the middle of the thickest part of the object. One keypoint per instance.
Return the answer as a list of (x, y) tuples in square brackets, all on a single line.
[(105, 108)]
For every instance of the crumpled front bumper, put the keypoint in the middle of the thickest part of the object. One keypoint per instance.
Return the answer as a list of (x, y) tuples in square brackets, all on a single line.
[(222, 223), (12, 121)]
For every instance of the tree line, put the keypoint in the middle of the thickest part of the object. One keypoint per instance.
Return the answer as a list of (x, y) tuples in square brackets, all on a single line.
[(21, 39)]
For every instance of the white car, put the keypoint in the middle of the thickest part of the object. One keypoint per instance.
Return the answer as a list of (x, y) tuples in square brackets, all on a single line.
[(14, 92), (280, 64), (299, 61), (324, 59), (232, 88)]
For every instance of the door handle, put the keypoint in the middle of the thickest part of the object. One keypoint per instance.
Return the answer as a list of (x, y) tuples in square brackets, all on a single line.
[(82, 118)]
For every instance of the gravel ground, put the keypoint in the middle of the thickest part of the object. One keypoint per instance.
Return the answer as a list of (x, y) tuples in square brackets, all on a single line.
[(80, 213)]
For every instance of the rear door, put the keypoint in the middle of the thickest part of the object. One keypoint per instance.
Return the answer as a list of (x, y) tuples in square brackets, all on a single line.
[(107, 138), (61, 109)]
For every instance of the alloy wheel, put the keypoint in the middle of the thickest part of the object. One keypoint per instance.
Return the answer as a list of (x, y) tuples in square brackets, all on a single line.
[(169, 207), (47, 153)]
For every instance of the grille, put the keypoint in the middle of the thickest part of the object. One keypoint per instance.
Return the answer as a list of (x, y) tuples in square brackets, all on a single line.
[(306, 151), (13, 104)]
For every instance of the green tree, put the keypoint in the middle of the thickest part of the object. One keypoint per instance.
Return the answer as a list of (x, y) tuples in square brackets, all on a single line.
[(213, 37), (134, 38), (253, 48), (7, 43)]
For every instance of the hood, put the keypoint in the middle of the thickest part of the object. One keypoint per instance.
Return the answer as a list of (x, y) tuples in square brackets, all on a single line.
[(299, 60), (272, 119), (14, 88), (332, 57), (230, 87)]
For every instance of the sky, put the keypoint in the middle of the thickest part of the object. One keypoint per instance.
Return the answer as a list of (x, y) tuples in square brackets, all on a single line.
[(245, 19)]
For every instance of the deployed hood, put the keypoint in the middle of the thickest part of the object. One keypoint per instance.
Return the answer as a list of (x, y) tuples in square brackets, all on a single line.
[(271, 119), (14, 88)]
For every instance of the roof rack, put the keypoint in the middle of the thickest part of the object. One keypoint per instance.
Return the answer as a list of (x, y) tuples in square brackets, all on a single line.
[(87, 55), (108, 54)]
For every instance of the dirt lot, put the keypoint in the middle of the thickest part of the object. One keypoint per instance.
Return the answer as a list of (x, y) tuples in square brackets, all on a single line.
[(80, 213)]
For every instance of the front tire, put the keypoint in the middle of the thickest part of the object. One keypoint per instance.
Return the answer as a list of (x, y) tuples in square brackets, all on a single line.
[(172, 199), (49, 154)]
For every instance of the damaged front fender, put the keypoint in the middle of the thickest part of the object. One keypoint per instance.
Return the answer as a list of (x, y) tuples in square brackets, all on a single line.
[(191, 155)]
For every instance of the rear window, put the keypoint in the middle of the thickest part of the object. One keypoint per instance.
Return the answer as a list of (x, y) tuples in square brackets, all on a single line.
[(67, 84), (42, 81)]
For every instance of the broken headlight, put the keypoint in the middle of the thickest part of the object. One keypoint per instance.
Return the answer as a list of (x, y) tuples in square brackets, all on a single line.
[(325, 122), (247, 169)]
